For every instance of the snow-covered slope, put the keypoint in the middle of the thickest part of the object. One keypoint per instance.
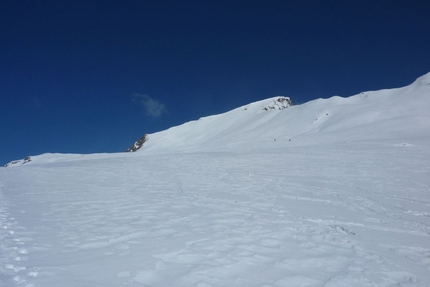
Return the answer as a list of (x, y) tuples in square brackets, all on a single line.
[(229, 200), (395, 114)]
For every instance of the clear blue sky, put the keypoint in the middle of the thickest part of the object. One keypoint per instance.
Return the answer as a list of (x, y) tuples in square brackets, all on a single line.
[(93, 76)]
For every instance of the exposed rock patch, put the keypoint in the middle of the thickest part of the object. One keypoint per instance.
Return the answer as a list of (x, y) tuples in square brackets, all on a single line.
[(280, 103), (138, 144), (18, 162)]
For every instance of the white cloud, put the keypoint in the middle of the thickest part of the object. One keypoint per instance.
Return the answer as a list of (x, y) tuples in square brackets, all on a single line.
[(153, 107)]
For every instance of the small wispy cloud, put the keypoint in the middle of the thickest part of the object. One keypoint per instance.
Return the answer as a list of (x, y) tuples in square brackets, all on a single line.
[(153, 107)]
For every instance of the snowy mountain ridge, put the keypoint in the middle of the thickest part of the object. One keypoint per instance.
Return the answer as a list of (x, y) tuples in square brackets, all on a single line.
[(374, 115), (397, 114)]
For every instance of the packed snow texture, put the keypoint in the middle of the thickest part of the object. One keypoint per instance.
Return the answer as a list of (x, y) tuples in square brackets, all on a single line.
[(333, 192)]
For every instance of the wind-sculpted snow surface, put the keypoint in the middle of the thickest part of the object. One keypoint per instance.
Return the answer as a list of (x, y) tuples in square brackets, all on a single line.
[(330, 193)]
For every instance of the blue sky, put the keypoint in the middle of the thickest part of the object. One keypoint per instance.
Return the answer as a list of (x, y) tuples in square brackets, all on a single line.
[(93, 76)]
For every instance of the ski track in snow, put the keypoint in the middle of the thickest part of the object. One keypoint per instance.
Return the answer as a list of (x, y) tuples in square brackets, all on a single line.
[(344, 216)]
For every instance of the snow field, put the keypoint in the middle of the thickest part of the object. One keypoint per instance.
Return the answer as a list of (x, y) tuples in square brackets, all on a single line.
[(13, 251), (345, 215)]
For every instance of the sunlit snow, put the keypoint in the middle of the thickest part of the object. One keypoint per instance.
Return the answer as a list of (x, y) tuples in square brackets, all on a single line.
[(334, 192)]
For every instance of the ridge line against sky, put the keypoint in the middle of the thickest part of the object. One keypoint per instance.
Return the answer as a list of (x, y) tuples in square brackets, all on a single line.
[(90, 76)]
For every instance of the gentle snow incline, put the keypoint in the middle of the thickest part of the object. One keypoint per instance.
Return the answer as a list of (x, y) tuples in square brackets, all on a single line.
[(347, 215)]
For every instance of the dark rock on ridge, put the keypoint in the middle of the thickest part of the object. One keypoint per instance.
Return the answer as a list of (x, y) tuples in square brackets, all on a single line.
[(280, 104), (138, 144)]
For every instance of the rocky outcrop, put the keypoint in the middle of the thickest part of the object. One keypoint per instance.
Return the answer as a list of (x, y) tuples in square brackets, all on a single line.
[(280, 103), (138, 144), (19, 162)]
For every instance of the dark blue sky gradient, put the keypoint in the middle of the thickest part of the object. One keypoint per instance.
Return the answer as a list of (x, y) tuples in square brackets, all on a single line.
[(68, 70)]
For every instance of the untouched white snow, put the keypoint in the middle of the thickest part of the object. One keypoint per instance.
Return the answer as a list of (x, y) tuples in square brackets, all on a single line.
[(229, 200)]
